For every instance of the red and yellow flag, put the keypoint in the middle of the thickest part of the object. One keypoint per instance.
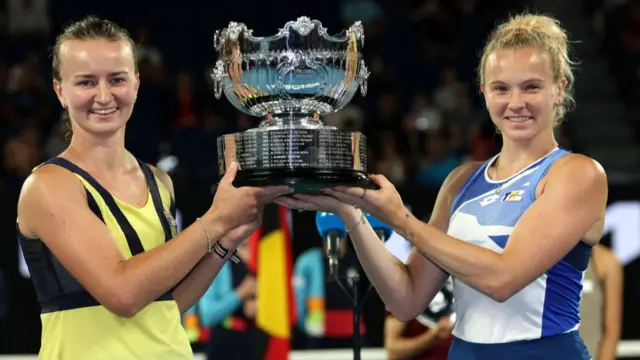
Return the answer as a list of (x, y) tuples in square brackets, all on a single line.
[(272, 261)]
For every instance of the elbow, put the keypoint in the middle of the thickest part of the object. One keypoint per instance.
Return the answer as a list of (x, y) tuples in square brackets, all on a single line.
[(501, 290), (404, 314), (123, 305), (121, 302), (500, 296)]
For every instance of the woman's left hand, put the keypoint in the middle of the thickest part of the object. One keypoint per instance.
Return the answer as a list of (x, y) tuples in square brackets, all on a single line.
[(384, 204), (233, 238)]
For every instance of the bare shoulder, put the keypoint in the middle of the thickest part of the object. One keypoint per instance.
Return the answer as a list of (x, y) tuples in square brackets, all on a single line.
[(165, 179), (578, 169), (44, 188), (577, 182), (459, 176)]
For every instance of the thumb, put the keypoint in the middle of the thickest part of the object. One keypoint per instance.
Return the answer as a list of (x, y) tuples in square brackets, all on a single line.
[(380, 180), (230, 175)]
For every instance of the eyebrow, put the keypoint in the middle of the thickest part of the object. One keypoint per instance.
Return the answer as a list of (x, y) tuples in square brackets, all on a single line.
[(498, 82), (90, 76)]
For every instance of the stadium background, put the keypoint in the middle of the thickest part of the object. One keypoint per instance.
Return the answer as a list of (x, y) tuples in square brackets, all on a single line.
[(422, 115)]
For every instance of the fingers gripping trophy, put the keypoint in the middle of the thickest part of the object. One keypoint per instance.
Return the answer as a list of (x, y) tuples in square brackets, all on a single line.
[(291, 80)]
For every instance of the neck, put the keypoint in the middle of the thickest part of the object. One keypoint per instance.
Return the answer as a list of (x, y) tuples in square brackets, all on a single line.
[(102, 152), (516, 155)]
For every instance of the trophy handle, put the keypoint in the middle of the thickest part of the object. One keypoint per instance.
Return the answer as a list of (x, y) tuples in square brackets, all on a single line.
[(363, 75), (218, 76)]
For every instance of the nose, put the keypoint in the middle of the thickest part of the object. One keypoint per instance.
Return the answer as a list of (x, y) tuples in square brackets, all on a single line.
[(516, 100), (104, 95)]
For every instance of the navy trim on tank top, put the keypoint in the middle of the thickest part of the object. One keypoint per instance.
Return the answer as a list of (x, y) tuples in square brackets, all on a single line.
[(157, 201), (80, 300), (93, 205)]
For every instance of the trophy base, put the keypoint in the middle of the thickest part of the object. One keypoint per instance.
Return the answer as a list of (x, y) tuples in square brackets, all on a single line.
[(303, 181)]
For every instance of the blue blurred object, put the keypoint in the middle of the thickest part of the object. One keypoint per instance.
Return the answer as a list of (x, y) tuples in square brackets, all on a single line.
[(327, 223), (383, 230)]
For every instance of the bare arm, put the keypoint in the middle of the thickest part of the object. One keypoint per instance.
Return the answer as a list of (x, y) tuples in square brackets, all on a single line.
[(53, 208), (406, 289), (195, 284), (612, 277), (398, 347), (572, 201)]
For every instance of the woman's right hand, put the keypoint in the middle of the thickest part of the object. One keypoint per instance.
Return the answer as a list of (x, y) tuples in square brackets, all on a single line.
[(247, 287), (233, 206), (444, 327)]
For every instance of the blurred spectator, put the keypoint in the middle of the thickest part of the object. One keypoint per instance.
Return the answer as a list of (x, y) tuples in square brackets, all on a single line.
[(3, 299), (482, 141), (228, 308), (413, 341), (185, 102), (28, 18), (446, 95), (391, 163), (27, 90), (20, 157), (350, 118), (145, 48), (438, 162), (57, 140)]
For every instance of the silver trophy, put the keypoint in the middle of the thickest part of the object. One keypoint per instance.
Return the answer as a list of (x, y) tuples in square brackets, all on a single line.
[(291, 80)]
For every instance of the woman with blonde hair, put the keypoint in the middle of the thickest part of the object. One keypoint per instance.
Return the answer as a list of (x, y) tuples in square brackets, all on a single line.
[(511, 230)]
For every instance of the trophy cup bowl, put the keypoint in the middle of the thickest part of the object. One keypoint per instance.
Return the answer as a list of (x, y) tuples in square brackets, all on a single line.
[(291, 80)]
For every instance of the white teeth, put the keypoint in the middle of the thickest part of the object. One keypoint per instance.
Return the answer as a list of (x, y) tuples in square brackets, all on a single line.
[(104, 111), (519, 118)]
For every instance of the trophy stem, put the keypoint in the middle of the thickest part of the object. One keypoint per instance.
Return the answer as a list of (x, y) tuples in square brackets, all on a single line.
[(291, 120)]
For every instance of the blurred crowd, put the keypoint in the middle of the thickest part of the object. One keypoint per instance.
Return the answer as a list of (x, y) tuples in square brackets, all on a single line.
[(422, 113), (617, 24)]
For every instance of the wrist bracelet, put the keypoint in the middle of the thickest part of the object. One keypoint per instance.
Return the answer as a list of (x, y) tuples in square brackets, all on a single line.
[(206, 234), (225, 253), (362, 220)]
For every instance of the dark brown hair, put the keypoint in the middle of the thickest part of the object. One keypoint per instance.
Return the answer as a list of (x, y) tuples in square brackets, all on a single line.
[(89, 28)]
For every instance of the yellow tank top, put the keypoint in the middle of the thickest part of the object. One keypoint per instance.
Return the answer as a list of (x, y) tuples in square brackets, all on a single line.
[(74, 325)]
